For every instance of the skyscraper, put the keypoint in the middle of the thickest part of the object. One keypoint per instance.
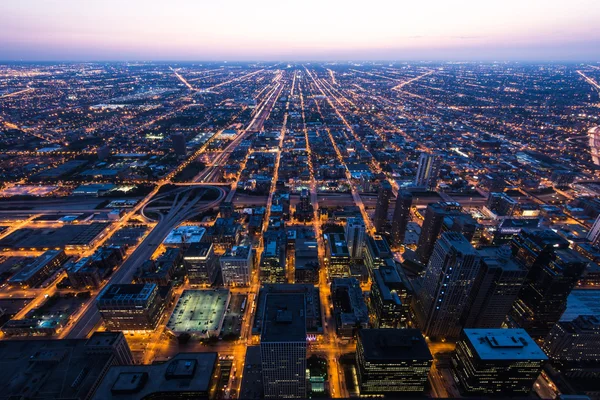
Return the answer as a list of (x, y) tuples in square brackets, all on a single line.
[(496, 287), (432, 226), (574, 341), (594, 136), (594, 233), (355, 237), (283, 346), (179, 144), (553, 271), (401, 217), (446, 286), (383, 203), (392, 361), (426, 171)]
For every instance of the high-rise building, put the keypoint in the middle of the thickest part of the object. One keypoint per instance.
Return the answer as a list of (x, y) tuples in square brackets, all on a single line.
[(283, 346), (355, 237), (383, 203), (236, 266), (594, 234), (501, 204), (273, 258), (426, 171), (432, 226), (496, 287), (304, 210), (130, 307), (349, 307), (401, 217), (337, 254), (201, 264), (392, 361), (594, 136), (179, 144), (390, 297), (497, 362), (552, 273), (446, 287), (377, 251), (576, 341)]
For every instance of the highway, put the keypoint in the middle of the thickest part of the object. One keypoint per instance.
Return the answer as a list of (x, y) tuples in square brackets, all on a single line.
[(185, 208)]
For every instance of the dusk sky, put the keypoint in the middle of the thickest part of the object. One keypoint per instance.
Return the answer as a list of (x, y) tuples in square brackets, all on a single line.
[(303, 30)]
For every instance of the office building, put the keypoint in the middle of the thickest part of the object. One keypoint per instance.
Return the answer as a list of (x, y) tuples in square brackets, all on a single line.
[(306, 260), (236, 266), (501, 204), (59, 369), (425, 177), (594, 142), (314, 322), (356, 236), (201, 264), (594, 234), (163, 270), (392, 361), (553, 272), (466, 225), (130, 307), (349, 307), (377, 251), (382, 205), (273, 258), (502, 362), (390, 297), (179, 144), (447, 284), (283, 346), (185, 376), (337, 255), (401, 217), (432, 226), (575, 342), (39, 270), (304, 210), (90, 272), (496, 287)]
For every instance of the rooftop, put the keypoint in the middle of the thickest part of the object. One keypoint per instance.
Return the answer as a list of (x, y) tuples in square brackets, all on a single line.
[(285, 318), (127, 292), (199, 311), (389, 345), (504, 344), (186, 372)]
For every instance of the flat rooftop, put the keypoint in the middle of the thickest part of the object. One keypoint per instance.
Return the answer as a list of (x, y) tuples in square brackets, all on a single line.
[(127, 292), (582, 302), (185, 234), (186, 372), (285, 318), (199, 311), (49, 369), (504, 344), (390, 345)]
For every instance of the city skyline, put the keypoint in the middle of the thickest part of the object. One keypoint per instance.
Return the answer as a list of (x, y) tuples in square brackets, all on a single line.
[(37, 30)]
